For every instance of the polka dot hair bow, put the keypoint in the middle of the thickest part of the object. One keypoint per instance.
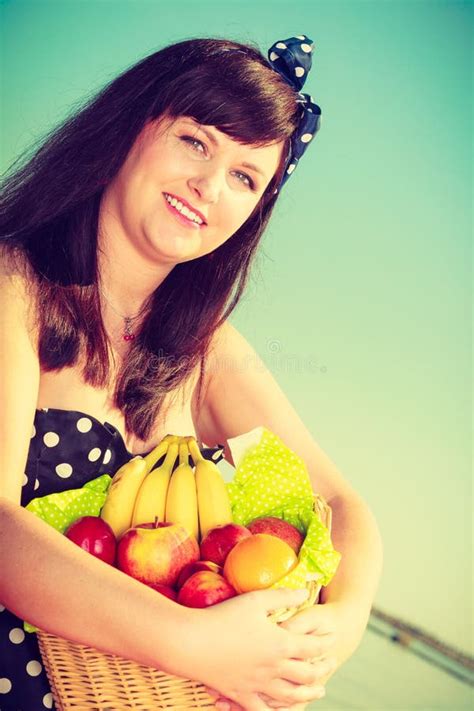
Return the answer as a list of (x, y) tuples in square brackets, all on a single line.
[(291, 58)]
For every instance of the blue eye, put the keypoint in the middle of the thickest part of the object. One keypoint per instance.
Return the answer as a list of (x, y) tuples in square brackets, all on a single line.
[(189, 139), (249, 182)]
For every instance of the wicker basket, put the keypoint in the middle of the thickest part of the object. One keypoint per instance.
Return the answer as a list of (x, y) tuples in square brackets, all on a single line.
[(85, 679)]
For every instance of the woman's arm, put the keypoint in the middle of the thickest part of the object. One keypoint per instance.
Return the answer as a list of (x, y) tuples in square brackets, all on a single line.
[(55, 585), (46, 579), (242, 394)]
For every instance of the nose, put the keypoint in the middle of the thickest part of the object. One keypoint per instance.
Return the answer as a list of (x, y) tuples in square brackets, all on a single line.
[(207, 184)]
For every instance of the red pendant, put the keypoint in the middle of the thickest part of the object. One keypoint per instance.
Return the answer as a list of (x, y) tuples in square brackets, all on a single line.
[(128, 334)]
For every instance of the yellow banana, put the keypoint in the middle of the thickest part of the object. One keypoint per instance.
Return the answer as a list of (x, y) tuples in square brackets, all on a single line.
[(181, 501), (151, 498), (118, 507), (212, 495), (155, 455)]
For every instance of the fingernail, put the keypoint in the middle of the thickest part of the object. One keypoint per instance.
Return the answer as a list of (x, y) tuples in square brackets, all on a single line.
[(222, 706)]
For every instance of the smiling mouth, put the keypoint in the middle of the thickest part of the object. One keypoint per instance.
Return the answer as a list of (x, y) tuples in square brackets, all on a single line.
[(183, 211)]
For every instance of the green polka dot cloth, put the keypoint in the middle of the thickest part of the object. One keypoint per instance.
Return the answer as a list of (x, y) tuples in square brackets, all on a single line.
[(271, 480), (63, 508)]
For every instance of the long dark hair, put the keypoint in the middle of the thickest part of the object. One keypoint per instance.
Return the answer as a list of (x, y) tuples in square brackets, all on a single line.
[(49, 209)]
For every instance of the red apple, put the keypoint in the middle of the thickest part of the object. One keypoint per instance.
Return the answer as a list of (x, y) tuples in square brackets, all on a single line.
[(95, 536), (156, 553), (192, 568), (219, 541), (204, 589), (277, 527), (165, 590)]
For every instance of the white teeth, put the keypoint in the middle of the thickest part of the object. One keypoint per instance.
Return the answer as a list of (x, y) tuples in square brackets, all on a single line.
[(183, 210)]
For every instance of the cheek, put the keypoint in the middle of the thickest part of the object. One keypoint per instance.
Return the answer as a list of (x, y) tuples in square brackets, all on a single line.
[(243, 213), (228, 220)]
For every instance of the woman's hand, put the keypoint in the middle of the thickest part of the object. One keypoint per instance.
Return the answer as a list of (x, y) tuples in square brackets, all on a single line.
[(338, 627), (236, 650)]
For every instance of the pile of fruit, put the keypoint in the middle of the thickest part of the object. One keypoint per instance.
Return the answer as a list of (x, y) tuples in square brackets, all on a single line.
[(170, 527)]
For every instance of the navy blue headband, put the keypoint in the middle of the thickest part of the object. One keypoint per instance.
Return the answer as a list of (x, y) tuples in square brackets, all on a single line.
[(292, 59)]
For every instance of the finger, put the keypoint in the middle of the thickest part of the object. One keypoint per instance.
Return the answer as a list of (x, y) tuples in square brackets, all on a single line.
[(309, 646), (277, 598), (281, 706), (291, 694), (213, 693), (227, 705), (323, 669), (254, 702), (306, 622), (298, 672), (326, 643), (222, 703), (308, 673)]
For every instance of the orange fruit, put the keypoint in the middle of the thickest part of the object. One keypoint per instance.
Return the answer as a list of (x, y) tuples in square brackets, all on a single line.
[(258, 561)]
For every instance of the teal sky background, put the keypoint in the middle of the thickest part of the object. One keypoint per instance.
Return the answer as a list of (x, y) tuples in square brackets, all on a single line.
[(360, 302)]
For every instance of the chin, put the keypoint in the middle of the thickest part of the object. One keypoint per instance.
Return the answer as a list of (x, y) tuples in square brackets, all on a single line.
[(174, 248)]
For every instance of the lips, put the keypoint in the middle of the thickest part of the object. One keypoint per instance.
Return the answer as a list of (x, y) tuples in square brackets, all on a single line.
[(188, 205), (189, 224)]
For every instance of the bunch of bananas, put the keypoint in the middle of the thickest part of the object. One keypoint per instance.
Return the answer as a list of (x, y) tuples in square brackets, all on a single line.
[(194, 496)]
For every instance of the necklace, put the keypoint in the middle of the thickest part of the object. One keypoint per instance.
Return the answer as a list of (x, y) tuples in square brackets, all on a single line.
[(128, 334)]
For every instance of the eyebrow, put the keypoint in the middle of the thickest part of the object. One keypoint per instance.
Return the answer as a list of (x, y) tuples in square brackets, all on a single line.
[(215, 142)]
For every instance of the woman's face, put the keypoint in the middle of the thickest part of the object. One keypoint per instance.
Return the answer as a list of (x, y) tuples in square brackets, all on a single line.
[(181, 161)]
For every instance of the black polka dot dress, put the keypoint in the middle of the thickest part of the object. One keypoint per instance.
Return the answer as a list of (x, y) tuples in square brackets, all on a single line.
[(67, 449)]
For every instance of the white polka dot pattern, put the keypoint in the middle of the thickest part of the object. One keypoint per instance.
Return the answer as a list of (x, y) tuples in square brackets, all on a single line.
[(56, 472), (84, 424), (16, 635), (51, 439), (5, 685), (94, 454), (292, 58), (64, 470), (33, 668)]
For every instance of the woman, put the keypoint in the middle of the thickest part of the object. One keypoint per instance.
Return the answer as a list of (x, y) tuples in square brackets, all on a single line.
[(126, 243)]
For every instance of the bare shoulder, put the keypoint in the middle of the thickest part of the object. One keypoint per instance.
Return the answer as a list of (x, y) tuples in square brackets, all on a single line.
[(242, 393), (228, 348), (17, 292), (231, 366), (19, 371), (227, 353)]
